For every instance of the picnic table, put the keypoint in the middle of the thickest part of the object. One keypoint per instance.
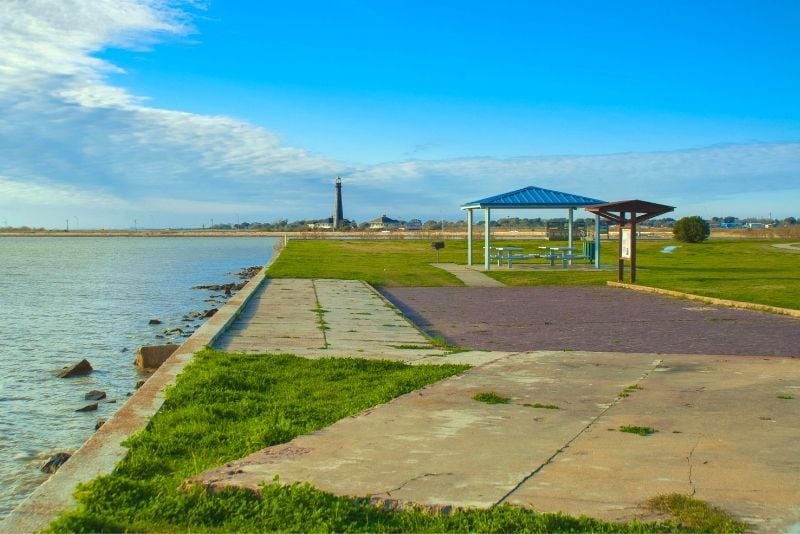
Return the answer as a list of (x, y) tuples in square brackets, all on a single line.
[(508, 254), (559, 253), (565, 255)]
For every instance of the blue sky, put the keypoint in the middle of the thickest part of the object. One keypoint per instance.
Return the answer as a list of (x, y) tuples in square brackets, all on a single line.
[(172, 114)]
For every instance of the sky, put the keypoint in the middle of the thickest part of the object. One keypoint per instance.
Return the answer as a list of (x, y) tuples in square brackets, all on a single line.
[(157, 113)]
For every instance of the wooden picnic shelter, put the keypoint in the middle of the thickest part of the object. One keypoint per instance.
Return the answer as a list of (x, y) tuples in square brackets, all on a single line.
[(627, 214), (529, 198)]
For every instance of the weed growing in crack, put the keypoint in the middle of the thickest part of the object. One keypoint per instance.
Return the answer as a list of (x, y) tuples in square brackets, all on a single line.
[(490, 397), (638, 430), (628, 390), (542, 406)]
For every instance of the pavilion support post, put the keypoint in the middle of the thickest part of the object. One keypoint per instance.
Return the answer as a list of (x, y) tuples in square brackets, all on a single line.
[(596, 240), (570, 216), (469, 237), (633, 247), (620, 261), (486, 238)]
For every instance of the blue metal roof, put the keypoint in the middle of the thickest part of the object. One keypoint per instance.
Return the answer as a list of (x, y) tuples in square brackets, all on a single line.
[(533, 198)]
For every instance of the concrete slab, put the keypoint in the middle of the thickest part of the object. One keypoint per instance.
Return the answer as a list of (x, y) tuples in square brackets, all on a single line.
[(723, 436), (438, 446)]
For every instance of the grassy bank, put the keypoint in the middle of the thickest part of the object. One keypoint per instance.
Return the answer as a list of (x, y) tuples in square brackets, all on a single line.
[(225, 406), (744, 270)]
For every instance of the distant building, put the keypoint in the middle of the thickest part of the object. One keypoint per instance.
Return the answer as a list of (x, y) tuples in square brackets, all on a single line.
[(384, 223), (322, 224)]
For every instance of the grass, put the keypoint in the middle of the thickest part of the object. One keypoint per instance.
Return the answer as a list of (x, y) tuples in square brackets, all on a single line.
[(542, 406), (225, 406), (628, 390), (489, 397), (747, 270), (378, 262), (785, 396), (638, 430), (696, 515)]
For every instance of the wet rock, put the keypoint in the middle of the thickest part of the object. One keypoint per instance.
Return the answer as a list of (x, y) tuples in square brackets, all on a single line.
[(193, 315), (95, 394), (81, 368), (249, 272), (222, 287), (173, 331), (210, 313), (99, 423), (140, 383), (54, 462), (124, 349), (154, 321), (153, 356), (88, 408)]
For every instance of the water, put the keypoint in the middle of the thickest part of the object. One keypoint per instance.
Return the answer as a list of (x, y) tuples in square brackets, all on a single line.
[(64, 299)]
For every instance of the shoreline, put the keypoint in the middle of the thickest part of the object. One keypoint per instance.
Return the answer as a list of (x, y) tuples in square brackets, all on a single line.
[(539, 234)]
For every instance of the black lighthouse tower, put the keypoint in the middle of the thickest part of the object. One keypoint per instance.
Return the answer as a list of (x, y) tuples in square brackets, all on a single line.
[(338, 214)]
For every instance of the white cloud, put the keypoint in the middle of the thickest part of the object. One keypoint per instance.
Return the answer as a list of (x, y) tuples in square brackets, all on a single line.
[(62, 123), (681, 176), (26, 194)]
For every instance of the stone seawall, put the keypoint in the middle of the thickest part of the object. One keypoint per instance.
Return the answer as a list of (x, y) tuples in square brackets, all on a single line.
[(101, 452)]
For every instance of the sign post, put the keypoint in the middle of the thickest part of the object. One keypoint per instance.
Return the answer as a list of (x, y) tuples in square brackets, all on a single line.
[(625, 213)]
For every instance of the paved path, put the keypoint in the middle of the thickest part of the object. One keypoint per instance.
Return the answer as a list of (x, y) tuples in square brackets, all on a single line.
[(727, 428), (471, 277), (791, 247), (287, 316), (593, 318)]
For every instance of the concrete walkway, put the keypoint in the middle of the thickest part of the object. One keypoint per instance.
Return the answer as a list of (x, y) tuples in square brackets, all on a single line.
[(726, 428), (469, 275), (324, 318)]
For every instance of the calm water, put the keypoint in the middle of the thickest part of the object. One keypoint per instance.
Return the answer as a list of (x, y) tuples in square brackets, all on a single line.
[(63, 299)]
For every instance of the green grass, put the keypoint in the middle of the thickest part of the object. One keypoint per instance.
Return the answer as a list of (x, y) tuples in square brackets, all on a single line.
[(490, 397), (542, 406), (628, 390), (638, 430), (378, 262), (747, 270), (785, 396), (224, 407), (696, 515)]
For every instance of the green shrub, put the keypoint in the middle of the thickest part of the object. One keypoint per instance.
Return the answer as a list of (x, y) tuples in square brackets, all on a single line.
[(691, 229)]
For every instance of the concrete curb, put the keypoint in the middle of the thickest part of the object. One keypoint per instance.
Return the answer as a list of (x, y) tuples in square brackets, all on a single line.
[(709, 300), (103, 450)]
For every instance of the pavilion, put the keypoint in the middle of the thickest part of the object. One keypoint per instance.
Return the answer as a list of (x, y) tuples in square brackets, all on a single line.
[(529, 198)]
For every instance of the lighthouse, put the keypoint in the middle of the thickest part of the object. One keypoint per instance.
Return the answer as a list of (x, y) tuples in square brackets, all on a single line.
[(338, 214)]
